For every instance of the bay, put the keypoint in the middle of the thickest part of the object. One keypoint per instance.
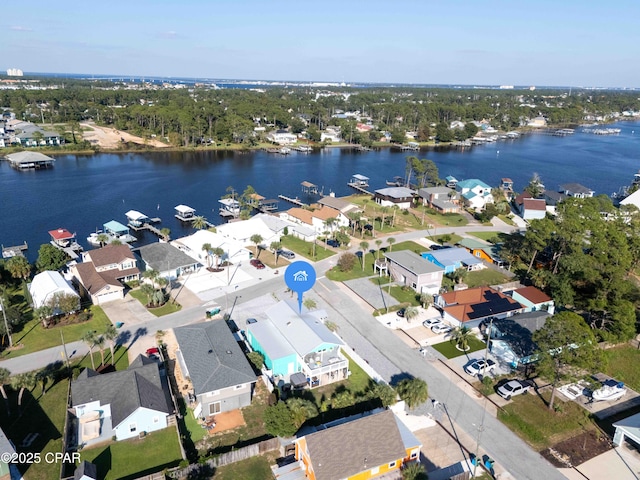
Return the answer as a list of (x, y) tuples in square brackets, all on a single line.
[(82, 192)]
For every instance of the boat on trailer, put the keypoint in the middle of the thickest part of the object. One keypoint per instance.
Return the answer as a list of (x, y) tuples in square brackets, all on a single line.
[(609, 393)]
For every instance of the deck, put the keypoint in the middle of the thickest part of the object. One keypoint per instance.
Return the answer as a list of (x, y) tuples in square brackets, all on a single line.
[(358, 187), (15, 251), (295, 201)]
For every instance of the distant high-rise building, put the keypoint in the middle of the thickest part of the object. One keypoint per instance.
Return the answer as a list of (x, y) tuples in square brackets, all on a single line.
[(14, 72)]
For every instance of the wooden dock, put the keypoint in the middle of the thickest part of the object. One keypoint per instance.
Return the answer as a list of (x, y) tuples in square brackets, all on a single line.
[(295, 201), (16, 251), (152, 229), (359, 188)]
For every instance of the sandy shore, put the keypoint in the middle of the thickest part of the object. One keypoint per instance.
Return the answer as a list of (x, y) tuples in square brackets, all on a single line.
[(110, 138)]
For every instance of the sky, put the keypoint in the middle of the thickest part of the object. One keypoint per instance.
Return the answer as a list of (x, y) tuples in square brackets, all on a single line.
[(489, 42)]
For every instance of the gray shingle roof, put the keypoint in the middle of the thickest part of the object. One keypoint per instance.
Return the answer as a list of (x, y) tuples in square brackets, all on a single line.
[(412, 262), (372, 441), (395, 192), (164, 256), (125, 390), (212, 356)]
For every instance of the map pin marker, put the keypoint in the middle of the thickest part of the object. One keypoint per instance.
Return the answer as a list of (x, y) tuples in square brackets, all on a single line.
[(300, 276)]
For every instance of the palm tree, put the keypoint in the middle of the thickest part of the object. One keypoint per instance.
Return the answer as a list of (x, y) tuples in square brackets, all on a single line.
[(110, 335), (165, 232), (378, 243), (99, 342), (310, 304), (426, 299), (410, 313), (257, 239), (116, 241), (43, 313), (199, 222), (103, 239), (147, 290), (391, 241), (413, 391), (152, 275), (206, 247), (330, 223), (23, 381), (461, 337), (90, 338), (459, 274), (218, 253), (395, 208), (43, 377), (18, 267), (275, 246), (5, 375), (354, 219), (364, 246)]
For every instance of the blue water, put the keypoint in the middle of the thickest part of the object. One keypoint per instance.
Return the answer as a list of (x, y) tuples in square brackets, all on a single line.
[(82, 192)]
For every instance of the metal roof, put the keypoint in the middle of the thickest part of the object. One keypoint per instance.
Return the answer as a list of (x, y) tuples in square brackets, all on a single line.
[(413, 262)]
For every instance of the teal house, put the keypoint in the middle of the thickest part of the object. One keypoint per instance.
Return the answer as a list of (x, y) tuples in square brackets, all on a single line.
[(297, 347)]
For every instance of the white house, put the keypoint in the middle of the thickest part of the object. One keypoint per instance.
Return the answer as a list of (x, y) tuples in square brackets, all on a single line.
[(269, 227), (282, 137), (234, 251), (46, 285), (316, 219), (331, 134), (475, 193)]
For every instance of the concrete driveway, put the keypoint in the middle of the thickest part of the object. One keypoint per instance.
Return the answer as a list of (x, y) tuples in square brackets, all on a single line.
[(374, 295), (128, 311)]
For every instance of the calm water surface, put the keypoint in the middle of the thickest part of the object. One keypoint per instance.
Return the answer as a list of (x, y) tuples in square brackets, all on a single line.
[(82, 192)]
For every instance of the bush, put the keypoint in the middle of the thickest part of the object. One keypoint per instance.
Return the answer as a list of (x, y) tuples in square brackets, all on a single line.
[(257, 359), (346, 262)]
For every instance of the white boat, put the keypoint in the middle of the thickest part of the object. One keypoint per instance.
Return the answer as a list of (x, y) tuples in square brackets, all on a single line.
[(92, 239), (609, 393)]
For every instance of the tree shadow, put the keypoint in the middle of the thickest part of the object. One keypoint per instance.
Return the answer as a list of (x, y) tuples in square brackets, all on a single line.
[(140, 332), (398, 377)]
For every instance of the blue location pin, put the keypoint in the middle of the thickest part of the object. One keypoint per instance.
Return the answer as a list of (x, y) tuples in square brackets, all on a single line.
[(300, 277)]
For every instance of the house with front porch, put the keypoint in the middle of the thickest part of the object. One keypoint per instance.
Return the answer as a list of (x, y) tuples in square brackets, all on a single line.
[(316, 219), (218, 375), (122, 404), (402, 197), (298, 348), (470, 307), (375, 444), (410, 269)]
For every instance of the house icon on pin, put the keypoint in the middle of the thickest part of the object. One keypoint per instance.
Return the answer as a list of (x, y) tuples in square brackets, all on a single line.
[(300, 276)]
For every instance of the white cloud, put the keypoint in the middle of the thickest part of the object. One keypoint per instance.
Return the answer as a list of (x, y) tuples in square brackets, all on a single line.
[(19, 28)]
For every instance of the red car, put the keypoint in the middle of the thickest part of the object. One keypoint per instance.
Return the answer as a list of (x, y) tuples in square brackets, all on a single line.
[(257, 263)]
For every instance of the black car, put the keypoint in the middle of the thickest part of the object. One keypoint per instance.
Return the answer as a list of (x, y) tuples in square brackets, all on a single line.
[(400, 313), (333, 243), (286, 254)]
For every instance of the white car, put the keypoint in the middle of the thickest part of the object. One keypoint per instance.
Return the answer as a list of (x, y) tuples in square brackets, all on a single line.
[(441, 328), (513, 388), (480, 367), (430, 322)]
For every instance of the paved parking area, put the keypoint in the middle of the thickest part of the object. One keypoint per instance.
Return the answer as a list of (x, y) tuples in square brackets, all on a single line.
[(374, 295)]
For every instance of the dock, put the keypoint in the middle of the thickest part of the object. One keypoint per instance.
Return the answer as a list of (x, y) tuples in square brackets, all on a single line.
[(295, 201), (72, 250), (152, 229), (309, 188), (360, 183), (359, 188), (15, 251)]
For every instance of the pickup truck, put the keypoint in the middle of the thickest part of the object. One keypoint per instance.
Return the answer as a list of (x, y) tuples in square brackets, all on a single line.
[(513, 388)]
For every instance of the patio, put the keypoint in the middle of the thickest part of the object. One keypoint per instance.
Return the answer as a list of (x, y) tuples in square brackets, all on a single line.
[(222, 422)]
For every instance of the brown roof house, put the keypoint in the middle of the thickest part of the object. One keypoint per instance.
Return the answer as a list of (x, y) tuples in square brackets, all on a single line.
[(470, 307), (103, 272), (533, 299), (358, 449)]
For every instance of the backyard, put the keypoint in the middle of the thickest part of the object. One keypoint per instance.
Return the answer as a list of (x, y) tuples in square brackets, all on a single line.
[(485, 277), (622, 363)]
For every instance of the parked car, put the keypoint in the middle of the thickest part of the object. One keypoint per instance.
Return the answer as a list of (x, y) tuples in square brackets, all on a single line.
[(333, 243), (286, 254), (400, 312), (257, 263), (441, 328), (480, 367), (432, 322), (513, 388)]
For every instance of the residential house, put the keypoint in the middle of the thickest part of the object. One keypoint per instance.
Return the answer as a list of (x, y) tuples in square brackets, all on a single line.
[(368, 447), (533, 299), (122, 404), (633, 199), (482, 250), (6, 467), (297, 346), (450, 259), (234, 250), (531, 208), (472, 306), (45, 286), (576, 190), (282, 137), (511, 338), (103, 272), (219, 376), (409, 268), (270, 227), (316, 219), (627, 428), (553, 198), (168, 260), (441, 199), (344, 206), (86, 471), (475, 193), (537, 122), (401, 197), (331, 134)]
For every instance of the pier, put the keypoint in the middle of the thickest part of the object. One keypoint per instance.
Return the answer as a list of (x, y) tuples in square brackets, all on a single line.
[(152, 229), (295, 201), (309, 188), (360, 183), (16, 251)]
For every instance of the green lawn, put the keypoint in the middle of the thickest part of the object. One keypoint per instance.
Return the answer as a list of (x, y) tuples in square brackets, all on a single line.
[(256, 468), (443, 219), (506, 219), (35, 337), (381, 280), (486, 236), (449, 350), (622, 364), (136, 457), (405, 295), (358, 382), (166, 309), (452, 238), (485, 277), (300, 247), (529, 417), (357, 272)]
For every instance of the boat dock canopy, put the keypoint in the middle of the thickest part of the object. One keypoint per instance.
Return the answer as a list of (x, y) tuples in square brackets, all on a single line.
[(30, 160), (185, 210), (136, 216), (115, 227), (61, 234)]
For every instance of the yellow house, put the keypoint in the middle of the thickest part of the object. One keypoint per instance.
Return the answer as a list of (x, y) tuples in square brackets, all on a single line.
[(359, 449), (481, 250)]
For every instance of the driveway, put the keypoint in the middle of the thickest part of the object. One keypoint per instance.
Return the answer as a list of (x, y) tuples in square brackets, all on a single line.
[(129, 311), (374, 295)]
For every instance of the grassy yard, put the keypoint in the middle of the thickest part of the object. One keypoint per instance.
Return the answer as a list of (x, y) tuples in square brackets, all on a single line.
[(529, 417), (358, 382), (485, 277), (268, 258), (300, 247), (357, 271), (449, 350), (452, 238), (166, 309), (35, 337), (405, 295), (442, 219), (256, 468), (136, 457), (486, 236), (622, 364)]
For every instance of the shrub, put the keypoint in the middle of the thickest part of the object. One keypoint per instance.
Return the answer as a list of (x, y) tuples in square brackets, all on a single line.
[(346, 262)]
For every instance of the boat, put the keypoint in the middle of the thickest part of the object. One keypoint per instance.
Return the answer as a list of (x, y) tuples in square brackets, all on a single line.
[(284, 151), (304, 148), (397, 182), (609, 393), (92, 239)]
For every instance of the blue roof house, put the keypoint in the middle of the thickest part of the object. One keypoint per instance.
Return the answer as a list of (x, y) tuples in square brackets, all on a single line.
[(475, 193), (453, 258), (298, 348)]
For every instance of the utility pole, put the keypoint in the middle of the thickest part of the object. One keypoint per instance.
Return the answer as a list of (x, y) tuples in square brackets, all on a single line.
[(64, 349), (6, 324)]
